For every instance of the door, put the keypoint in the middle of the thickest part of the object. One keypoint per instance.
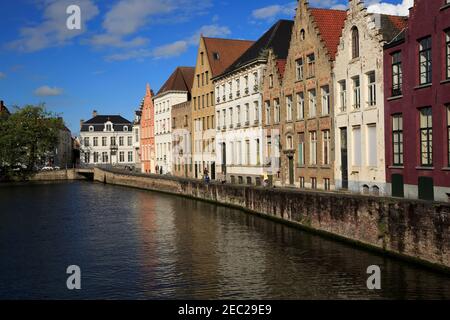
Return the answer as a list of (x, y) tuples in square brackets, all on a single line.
[(213, 171), (344, 158), (398, 188), (426, 188), (224, 159), (291, 170)]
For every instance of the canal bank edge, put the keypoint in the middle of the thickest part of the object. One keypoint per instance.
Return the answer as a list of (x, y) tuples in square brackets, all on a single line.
[(415, 230)]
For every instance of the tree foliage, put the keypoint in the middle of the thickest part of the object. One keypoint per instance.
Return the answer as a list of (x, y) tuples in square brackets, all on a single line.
[(26, 137)]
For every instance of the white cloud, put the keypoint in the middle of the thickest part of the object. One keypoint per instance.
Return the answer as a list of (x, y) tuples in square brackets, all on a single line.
[(46, 91), (2, 75), (173, 49), (273, 11), (52, 31), (402, 9)]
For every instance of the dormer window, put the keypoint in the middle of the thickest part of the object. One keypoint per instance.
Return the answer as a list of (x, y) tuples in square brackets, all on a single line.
[(91, 128), (108, 127), (125, 129), (216, 55)]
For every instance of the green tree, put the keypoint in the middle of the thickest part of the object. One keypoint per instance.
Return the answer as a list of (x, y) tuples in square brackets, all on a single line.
[(26, 138)]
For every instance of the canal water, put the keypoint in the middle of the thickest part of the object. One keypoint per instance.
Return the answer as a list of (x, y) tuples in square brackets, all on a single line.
[(135, 244)]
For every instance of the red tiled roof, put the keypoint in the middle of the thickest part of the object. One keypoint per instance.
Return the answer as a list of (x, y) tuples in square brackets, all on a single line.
[(228, 51), (330, 23), (399, 22), (180, 80)]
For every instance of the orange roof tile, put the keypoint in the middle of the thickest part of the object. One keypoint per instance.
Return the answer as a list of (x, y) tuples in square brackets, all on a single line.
[(330, 23), (223, 52)]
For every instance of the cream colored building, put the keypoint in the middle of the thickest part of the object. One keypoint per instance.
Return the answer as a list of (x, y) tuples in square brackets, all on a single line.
[(359, 100), (214, 56)]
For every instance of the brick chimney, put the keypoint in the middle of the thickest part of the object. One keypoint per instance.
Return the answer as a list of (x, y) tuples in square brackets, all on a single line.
[(81, 123), (2, 105), (94, 113)]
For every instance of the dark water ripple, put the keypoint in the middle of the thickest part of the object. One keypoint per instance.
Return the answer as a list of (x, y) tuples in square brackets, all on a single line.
[(140, 245)]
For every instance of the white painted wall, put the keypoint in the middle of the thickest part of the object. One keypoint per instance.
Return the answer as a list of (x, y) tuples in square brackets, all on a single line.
[(163, 127)]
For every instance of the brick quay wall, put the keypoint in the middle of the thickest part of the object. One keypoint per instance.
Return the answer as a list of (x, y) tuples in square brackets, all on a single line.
[(416, 230)]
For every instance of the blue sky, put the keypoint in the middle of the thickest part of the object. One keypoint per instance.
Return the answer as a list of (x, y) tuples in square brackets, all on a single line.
[(122, 45)]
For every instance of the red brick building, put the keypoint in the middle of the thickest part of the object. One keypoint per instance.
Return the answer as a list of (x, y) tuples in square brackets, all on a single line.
[(417, 104)]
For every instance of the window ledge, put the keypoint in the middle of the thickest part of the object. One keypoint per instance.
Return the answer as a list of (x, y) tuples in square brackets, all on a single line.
[(395, 98), (446, 169), (396, 167), (422, 86), (446, 80), (445, 6), (424, 168)]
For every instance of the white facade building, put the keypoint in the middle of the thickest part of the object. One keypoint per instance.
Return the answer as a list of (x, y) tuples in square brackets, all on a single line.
[(240, 137), (359, 101), (107, 140), (176, 90)]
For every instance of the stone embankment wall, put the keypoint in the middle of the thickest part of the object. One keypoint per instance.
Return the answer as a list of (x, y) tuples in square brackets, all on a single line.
[(412, 229), (69, 174)]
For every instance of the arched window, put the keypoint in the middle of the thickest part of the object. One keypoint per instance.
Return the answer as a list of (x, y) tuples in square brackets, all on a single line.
[(355, 42), (302, 34)]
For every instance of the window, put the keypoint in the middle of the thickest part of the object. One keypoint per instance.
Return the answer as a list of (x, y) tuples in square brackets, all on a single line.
[(247, 152), (312, 103), (302, 182), (447, 51), (355, 43), (202, 58), (300, 106), (86, 142), (105, 157), (397, 139), (91, 129), (125, 128), (313, 147), (301, 149), (87, 157), (277, 110), (258, 148), (425, 61), (130, 156), (108, 127), (426, 137), (104, 141), (302, 34), (343, 95), (95, 141), (121, 141), (356, 93), (231, 117), (207, 77), (256, 104), (397, 75), (289, 108), (289, 143), (267, 112), (326, 142), (299, 69), (121, 156), (372, 89), (448, 134), (372, 152), (325, 100), (113, 141), (327, 184), (238, 108), (129, 141), (96, 157), (314, 183), (311, 65), (247, 114), (357, 146), (271, 81)]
